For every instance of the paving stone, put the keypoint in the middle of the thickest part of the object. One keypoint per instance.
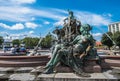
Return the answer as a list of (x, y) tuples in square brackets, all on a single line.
[(110, 75), (37, 70), (6, 70), (116, 70), (93, 76), (40, 67), (97, 76), (24, 69), (24, 74), (3, 77), (46, 77), (73, 77), (66, 75), (22, 77)]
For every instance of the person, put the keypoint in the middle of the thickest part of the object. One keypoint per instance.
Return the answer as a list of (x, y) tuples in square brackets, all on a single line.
[(4, 49), (22, 49), (13, 49), (17, 49)]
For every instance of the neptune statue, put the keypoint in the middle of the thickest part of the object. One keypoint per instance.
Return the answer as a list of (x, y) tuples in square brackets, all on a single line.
[(74, 48)]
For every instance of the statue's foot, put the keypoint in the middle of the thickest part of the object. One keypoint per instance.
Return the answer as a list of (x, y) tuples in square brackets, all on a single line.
[(48, 71), (45, 67)]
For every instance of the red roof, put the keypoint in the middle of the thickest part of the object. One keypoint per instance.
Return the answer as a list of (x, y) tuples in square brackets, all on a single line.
[(98, 43)]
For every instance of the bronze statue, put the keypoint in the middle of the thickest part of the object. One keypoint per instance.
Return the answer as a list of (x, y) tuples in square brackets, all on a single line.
[(72, 52), (71, 26)]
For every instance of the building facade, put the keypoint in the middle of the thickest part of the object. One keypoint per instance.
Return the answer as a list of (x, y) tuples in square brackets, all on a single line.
[(114, 27)]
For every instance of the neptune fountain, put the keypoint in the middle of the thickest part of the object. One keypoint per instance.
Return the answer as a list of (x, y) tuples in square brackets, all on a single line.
[(75, 45)]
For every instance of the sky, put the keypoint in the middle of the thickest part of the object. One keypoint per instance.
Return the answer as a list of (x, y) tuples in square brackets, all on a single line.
[(21, 18)]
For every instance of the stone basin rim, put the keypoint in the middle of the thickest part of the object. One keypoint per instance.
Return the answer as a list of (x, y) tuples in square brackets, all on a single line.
[(10, 57), (43, 56)]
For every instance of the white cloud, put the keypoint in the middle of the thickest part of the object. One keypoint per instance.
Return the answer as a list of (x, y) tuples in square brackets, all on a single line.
[(58, 10), (21, 35), (46, 22), (59, 23), (3, 32), (97, 34), (23, 13), (9, 36), (32, 18), (16, 2), (15, 13), (92, 18), (109, 14), (17, 26), (31, 25), (88, 17), (23, 1), (43, 13), (31, 32), (18, 35), (12, 11)]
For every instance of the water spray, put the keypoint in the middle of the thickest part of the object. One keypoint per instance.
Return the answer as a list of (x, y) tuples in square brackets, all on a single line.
[(40, 40), (109, 38)]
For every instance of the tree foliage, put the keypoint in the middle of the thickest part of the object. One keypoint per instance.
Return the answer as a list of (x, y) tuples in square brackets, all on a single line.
[(30, 42), (16, 42), (106, 40), (116, 38), (1, 40), (47, 41)]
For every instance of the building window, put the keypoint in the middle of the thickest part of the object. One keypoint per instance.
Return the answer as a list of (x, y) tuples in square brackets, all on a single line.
[(113, 28), (117, 27), (109, 28)]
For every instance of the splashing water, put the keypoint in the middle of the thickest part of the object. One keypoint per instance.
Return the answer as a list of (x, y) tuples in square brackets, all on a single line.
[(108, 37)]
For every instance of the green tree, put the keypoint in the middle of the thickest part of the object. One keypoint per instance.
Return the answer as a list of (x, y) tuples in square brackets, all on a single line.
[(106, 40), (47, 41), (1, 41), (30, 42), (116, 37), (35, 41), (43, 43), (16, 42)]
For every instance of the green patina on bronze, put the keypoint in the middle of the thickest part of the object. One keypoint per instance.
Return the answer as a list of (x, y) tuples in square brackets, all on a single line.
[(75, 45)]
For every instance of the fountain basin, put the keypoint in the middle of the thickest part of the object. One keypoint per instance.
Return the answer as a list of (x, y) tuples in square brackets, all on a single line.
[(107, 61), (23, 61)]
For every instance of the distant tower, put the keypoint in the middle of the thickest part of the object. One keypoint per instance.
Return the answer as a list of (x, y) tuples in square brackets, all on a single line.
[(114, 27)]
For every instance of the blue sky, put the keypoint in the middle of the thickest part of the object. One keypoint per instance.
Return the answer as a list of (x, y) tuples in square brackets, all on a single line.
[(20, 18)]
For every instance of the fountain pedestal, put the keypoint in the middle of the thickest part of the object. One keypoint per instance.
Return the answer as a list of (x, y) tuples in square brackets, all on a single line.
[(91, 66)]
